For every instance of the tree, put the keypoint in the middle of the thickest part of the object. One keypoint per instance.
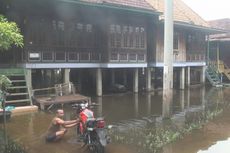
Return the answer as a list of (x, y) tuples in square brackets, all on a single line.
[(9, 34)]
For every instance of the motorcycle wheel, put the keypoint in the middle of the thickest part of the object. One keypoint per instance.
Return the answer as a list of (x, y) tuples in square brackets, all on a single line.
[(96, 147)]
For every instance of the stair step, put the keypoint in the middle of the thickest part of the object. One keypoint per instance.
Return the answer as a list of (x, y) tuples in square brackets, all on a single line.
[(17, 101), (17, 87), (18, 94), (16, 81), (14, 74)]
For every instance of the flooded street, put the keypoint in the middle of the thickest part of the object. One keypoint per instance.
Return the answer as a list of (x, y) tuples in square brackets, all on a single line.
[(136, 111)]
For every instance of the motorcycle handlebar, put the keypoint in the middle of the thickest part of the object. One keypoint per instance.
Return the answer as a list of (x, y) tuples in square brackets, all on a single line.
[(77, 105)]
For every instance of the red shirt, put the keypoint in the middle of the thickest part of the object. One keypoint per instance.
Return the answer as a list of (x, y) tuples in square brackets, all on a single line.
[(86, 114)]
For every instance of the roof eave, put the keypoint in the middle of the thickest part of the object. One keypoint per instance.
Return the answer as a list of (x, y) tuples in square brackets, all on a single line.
[(208, 30)]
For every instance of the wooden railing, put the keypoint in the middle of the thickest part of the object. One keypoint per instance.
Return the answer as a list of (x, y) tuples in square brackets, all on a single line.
[(57, 90), (195, 57)]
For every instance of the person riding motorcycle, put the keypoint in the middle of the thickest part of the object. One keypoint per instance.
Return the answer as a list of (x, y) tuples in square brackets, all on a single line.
[(84, 116)]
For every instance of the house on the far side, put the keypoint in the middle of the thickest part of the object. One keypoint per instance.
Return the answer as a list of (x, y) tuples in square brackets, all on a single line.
[(220, 47)]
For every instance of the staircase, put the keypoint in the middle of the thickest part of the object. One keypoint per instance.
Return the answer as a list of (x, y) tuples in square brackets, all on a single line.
[(18, 92), (213, 76), (223, 68)]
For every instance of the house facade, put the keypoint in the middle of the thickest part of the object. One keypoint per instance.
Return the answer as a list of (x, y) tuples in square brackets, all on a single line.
[(96, 44)]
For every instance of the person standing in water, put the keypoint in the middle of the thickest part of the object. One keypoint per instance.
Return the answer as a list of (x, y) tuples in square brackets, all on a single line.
[(57, 128)]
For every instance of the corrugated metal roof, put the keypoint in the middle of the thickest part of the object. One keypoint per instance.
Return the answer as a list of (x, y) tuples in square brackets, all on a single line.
[(182, 12)]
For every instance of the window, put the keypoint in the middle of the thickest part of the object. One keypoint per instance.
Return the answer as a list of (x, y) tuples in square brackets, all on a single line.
[(79, 26), (54, 25), (130, 37), (112, 35), (131, 42), (47, 56), (60, 56), (137, 41), (118, 29), (118, 40), (73, 56), (142, 38), (112, 28), (125, 40), (89, 28), (176, 41), (125, 36), (61, 25)]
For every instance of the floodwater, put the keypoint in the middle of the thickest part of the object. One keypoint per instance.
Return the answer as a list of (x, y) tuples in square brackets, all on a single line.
[(125, 110)]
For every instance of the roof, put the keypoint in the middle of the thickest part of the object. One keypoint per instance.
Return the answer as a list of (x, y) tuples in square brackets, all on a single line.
[(221, 24), (130, 3), (133, 5), (182, 13)]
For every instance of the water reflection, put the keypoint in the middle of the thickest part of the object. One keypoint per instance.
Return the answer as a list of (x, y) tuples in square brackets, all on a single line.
[(214, 136), (124, 110), (219, 147)]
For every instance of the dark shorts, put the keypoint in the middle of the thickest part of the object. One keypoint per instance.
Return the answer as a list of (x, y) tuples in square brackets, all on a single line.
[(51, 138)]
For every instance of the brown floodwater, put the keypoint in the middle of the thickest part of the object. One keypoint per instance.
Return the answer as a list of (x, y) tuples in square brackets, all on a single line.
[(125, 110)]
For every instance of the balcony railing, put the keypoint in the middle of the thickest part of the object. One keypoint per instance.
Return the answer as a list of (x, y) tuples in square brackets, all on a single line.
[(57, 56), (128, 57), (195, 57)]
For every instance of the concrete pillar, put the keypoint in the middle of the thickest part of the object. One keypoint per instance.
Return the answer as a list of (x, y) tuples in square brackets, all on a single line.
[(29, 78), (188, 80), (79, 84), (188, 98), (98, 82), (135, 80), (218, 56), (182, 102), (168, 59), (148, 80), (29, 83), (202, 75), (125, 77), (99, 107), (167, 106), (136, 105), (148, 106), (203, 100), (182, 78), (112, 76), (66, 75), (168, 46)]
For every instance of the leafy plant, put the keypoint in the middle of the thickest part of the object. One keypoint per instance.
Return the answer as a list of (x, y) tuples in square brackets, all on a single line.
[(11, 147), (4, 82), (9, 34)]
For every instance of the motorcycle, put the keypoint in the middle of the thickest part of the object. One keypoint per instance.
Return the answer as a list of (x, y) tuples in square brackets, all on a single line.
[(95, 133)]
